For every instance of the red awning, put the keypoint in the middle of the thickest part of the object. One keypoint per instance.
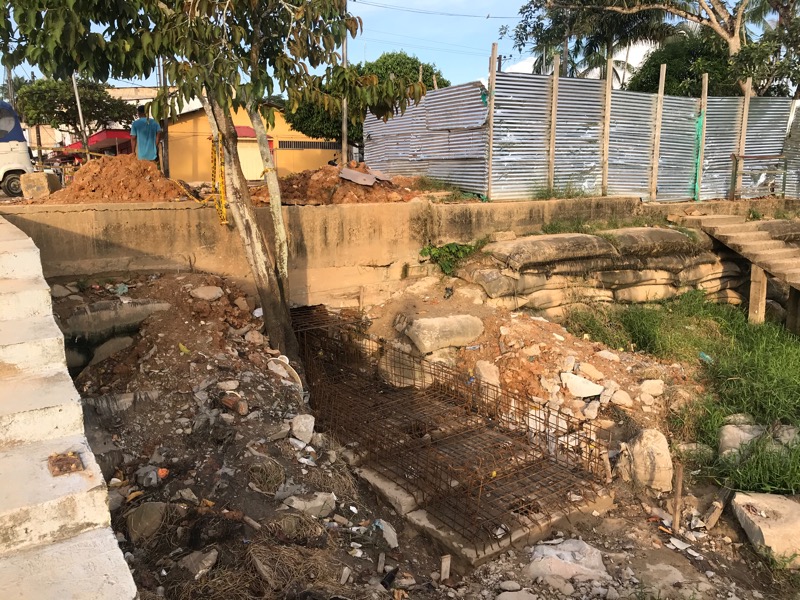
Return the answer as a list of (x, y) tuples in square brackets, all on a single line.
[(106, 138)]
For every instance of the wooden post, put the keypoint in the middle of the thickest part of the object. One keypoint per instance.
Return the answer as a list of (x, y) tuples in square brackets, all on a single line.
[(492, 83), (701, 151), (743, 134), (792, 308), (606, 127), (435, 83), (657, 134), (758, 295), (551, 155)]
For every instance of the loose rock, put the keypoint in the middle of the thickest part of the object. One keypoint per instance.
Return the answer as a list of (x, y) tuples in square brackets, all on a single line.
[(145, 520), (591, 372), (733, 437), (440, 332), (772, 523), (208, 293), (570, 559), (580, 387), (654, 387), (59, 291), (199, 563), (320, 504), (622, 398), (510, 586), (651, 463), (303, 428)]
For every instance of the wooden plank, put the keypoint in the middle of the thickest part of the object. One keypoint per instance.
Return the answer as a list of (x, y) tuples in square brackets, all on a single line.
[(662, 78), (676, 508), (743, 133), (492, 85), (792, 308), (606, 126), (701, 150), (758, 294), (551, 154)]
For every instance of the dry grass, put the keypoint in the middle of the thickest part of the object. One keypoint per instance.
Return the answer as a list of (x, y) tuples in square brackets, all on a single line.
[(224, 584), (267, 475), (298, 529), (337, 479), (292, 568)]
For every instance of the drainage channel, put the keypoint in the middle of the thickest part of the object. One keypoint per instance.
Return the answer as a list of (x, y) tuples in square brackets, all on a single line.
[(486, 463)]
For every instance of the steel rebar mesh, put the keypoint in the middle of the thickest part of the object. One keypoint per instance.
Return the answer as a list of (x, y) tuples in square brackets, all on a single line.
[(480, 459)]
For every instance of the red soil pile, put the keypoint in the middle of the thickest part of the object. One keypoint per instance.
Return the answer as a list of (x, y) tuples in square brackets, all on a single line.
[(121, 178)]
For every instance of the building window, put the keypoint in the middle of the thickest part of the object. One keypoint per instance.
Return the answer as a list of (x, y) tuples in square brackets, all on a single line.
[(292, 145)]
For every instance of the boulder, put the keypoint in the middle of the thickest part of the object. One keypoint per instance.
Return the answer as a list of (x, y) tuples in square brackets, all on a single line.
[(430, 334), (320, 504), (733, 436), (208, 293), (303, 428), (570, 559), (772, 523), (536, 250), (145, 520), (651, 463), (580, 387)]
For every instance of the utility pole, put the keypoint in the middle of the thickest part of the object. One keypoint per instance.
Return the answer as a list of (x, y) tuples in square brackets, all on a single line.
[(10, 81), (80, 116), (165, 137), (345, 156)]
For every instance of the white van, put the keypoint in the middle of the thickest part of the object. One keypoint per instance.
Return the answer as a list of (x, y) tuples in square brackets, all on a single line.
[(15, 159)]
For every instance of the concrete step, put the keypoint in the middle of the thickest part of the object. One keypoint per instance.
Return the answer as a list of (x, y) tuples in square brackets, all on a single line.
[(19, 259), (741, 237), (733, 227), (9, 232), (23, 298), (34, 344), (712, 220), (778, 267), (38, 508), (89, 566), (758, 246), (772, 255), (34, 409)]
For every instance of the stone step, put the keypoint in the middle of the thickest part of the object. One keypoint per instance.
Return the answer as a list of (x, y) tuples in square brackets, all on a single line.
[(39, 508), (712, 220), (773, 255), (34, 344), (23, 298), (741, 237), (19, 259), (89, 566), (758, 246), (35, 409), (778, 267), (9, 232)]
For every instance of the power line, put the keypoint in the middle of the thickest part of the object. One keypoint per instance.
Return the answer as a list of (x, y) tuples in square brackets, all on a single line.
[(429, 12), (419, 47), (411, 37)]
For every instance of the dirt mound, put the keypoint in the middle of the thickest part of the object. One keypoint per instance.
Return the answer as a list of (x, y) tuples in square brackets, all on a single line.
[(325, 186), (121, 178)]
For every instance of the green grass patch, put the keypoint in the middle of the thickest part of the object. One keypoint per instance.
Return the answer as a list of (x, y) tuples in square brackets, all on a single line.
[(430, 184), (752, 369), (449, 256)]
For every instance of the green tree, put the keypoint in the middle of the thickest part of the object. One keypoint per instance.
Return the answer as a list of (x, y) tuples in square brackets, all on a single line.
[(231, 55), (315, 121), (688, 55), (18, 83), (52, 102)]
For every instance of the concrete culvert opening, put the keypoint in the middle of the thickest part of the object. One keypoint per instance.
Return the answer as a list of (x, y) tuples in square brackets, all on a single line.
[(486, 465)]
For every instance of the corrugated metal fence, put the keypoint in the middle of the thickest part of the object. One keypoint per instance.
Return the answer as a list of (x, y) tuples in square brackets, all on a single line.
[(446, 137)]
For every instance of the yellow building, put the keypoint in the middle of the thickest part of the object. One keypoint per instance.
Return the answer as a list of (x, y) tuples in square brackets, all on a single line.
[(190, 147)]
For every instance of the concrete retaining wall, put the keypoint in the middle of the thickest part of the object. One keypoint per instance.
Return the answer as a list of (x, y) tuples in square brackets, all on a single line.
[(337, 253)]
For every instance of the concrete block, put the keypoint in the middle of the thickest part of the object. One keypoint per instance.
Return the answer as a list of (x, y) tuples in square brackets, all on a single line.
[(23, 298), (38, 185), (19, 259), (37, 508), (772, 523), (89, 566), (34, 344), (34, 409)]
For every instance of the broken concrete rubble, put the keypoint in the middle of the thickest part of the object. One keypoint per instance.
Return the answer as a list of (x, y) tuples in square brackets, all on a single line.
[(568, 559), (319, 504), (431, 334), (650, 463), (199, 563), (580, 387), (303, 428), (208, 293), (772, 524)]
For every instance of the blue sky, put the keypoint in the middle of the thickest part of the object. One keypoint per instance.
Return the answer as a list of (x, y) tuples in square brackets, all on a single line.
[(459, 46)]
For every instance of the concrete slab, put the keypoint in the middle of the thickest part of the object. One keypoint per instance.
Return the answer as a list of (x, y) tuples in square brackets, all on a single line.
[(400, 499), (476, 555), (772, 523), (24, 298), (34, 344), (89, 566), (34, 409), (742, 236), (39, 508)]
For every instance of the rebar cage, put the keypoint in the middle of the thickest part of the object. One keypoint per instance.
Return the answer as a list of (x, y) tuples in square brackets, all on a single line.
[(482, 460)]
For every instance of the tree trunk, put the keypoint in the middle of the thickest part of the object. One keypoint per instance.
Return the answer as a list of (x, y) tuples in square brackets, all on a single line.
[(271, 177), (277, 321)]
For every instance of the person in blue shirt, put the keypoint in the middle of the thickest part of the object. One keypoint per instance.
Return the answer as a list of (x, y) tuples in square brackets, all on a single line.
[(145, 137)]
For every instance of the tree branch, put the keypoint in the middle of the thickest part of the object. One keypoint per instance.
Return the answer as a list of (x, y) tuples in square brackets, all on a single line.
[(673, 10)]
